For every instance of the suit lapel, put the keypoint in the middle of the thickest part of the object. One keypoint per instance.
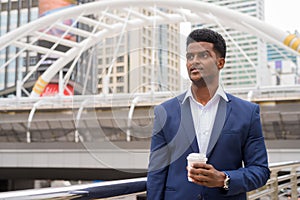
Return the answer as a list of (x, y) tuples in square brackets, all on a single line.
[(221, 117), (188, 124)]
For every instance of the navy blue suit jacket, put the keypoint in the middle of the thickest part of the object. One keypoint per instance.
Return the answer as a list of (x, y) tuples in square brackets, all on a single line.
[(236, 146)]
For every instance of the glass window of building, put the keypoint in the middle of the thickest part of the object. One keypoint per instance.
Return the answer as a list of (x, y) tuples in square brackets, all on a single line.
[(120, 89), (120, 59), (120, 69), (120, 79)]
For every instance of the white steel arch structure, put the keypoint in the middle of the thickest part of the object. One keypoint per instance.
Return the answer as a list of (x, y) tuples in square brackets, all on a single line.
[(162, 12)]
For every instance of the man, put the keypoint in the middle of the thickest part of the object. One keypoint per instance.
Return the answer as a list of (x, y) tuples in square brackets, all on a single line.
[(206, 120)]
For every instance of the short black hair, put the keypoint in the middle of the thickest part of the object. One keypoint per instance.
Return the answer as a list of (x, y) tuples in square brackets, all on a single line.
[(207, 35)]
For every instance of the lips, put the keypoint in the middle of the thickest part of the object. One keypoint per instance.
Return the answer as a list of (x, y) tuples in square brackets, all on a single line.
[(196, 69)]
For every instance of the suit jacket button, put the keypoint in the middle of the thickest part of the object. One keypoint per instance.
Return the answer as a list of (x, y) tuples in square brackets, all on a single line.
[(199, 197)]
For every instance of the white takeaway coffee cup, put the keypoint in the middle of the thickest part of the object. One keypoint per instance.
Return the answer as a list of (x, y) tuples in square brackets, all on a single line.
[(195, 158)]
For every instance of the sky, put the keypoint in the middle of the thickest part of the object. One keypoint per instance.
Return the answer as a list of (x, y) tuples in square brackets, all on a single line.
[(284, 14)]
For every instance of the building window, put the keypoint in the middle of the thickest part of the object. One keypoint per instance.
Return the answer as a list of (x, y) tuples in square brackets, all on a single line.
[(109, 41), (33, 61), (120, 79), (108, 50), (108, 60), (120, 59), (120, 69), (120, 89)]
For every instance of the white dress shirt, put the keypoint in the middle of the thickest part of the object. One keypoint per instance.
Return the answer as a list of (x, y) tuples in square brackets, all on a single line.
[(204, 116)]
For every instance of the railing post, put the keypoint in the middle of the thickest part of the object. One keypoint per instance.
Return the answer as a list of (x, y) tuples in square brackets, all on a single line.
[(294, 195), (274, 185)]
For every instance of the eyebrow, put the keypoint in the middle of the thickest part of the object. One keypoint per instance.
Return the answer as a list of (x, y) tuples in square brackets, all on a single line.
[(206, 50)]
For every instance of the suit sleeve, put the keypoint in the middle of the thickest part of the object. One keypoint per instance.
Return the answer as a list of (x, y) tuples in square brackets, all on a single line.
[(255, 172), (159, 157)]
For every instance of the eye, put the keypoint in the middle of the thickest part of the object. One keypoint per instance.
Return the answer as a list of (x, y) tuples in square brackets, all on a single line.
[(190, 56), (203, 55)]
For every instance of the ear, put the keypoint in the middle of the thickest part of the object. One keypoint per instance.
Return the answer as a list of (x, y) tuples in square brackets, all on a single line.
[(221, 63)]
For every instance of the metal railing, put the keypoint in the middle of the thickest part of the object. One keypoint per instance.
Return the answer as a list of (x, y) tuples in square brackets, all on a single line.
[(291, 92), (284, 182), (107, 190)]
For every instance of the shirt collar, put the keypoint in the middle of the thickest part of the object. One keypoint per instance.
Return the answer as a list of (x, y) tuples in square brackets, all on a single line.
[(220, 91)]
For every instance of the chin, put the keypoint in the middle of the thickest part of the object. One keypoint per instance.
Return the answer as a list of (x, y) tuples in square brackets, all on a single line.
[(196, 78), (197, 81)]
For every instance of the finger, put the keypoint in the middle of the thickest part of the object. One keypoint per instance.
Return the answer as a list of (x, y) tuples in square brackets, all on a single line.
[(192, 172), (198, 171), (198, 165), (200, 180), (202, 165), (198, 177)]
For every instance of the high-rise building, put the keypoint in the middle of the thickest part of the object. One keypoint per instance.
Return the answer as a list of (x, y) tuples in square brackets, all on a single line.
[(15, 13), (283, 66), (147, 58), (246, 55), (156, 63), (141, 60)]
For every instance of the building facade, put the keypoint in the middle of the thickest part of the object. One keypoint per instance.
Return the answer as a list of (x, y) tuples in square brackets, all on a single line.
[(283, 66), (246, 55), (15, 13), (148, 58), (142, 60)]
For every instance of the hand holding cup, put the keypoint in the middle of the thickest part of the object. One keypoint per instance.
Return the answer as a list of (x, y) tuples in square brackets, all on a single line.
[(195, 158)]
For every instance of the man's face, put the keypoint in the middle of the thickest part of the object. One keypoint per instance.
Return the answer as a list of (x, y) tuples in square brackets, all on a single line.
[(203, 64)]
